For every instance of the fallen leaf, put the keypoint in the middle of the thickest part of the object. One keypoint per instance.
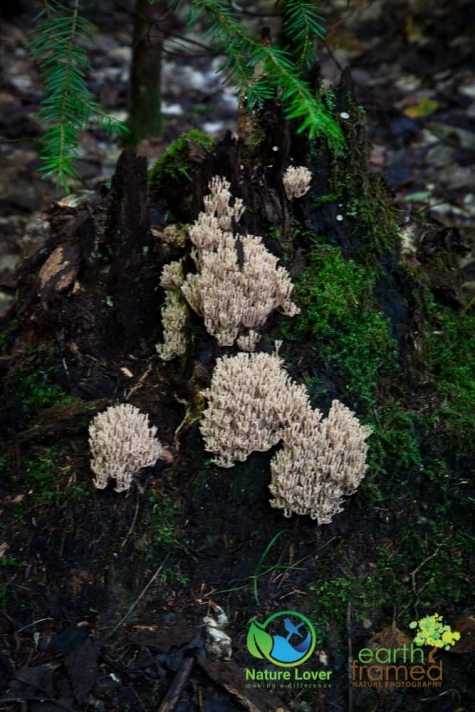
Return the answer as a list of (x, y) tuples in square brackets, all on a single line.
[(423, 107), (390, 637), (466, 627), (60, 269)]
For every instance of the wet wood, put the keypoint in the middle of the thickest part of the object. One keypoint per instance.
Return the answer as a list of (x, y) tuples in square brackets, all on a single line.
[(178, 685), (128, 240), (145, 79), (230, 676)]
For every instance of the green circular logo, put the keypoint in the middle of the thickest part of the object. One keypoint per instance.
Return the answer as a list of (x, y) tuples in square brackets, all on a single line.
[(286, 638)]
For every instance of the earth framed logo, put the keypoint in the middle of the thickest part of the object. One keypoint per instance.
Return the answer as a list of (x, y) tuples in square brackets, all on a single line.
[(285, 639)]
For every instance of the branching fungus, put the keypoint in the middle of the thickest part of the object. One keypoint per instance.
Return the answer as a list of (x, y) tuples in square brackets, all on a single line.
[(122, 443)]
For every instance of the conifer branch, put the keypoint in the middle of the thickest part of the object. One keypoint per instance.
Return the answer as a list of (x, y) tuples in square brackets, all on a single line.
[(299, 102), (258, 71), (278, 74), (301, 24), (68, 106)]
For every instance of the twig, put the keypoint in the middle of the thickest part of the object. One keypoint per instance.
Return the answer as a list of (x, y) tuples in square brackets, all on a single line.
[(140, 382), (442, 694), (133, 522), (34, 623), (138, 698), (350, 657), (136, 602), (412, 574), (177, 686)]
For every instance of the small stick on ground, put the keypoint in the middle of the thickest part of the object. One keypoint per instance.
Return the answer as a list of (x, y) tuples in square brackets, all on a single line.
[(133, 522), (177, 686), (350, 658), (136, 602)]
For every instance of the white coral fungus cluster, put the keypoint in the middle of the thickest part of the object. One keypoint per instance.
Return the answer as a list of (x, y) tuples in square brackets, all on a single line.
[(218, 203), (253, 404), (174, 313), (238, 283), (321, 461), (296, 181), (250, 399), (122, 443)]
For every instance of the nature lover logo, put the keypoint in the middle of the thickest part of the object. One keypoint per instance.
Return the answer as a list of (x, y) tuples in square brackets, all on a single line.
[(286, 639)]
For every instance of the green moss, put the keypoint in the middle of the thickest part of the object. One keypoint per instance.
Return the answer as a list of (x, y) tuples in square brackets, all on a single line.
[(431, 562), (333, 596), (174, 162), (373, 216), (50, 480), (163, 530), (40, 390), (330, 198), (342, 318), (7, 334), (448, 348), (395, 443), (423, 440)]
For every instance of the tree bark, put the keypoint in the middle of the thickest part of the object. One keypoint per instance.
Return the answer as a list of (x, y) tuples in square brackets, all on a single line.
[(145, 92)]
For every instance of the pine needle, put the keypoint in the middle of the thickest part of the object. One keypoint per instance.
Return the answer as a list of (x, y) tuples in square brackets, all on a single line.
[(59, 48)]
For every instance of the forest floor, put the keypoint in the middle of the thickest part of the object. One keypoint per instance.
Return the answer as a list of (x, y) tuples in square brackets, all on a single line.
[(103, 596)]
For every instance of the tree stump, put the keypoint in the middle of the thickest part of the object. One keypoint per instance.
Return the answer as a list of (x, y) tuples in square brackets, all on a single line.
[(386, 331)]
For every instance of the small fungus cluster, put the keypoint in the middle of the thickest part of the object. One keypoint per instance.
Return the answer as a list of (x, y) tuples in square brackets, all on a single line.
[(174, 312), (296, 181), (238, 283), (122, 443)]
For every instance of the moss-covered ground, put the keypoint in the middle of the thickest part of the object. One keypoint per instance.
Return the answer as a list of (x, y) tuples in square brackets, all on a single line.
[(417, 394), (174, 163)]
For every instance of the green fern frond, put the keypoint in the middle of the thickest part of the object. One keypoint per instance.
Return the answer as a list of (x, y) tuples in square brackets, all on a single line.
[(68, 106)]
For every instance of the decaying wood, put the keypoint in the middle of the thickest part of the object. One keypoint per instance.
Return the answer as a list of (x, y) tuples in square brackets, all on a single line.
[(62, 419), (128, 239), (231, 676), (181, 678)]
